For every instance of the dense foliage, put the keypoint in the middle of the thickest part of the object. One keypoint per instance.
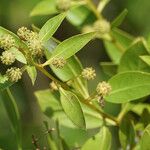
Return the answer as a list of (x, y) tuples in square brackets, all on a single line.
[(79, 119)]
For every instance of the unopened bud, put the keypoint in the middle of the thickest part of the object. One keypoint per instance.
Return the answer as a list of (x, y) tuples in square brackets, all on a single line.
[(63, 5)]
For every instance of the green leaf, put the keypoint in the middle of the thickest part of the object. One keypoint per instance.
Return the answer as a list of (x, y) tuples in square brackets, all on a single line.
[(119, 19), (109, 68), (80, 15), (13, 113), (31, 70), (145, 144), (146, 59), (102, 141), (44, 7), (70, 71), (48, 102), (129, 86), (130, 60), (18, 55), (123, 40), (72, 108), (71, 46), (18, 42), (126, 133), (50, 27)]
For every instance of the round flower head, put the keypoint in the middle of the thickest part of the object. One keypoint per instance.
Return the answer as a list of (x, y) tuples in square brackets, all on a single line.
[(14, 74), (23, 33), (53, 86), (63, 5), (103, 88), (7, 58), (58, 62), (35, 47), (26, 34), (87, 29), (7, 41), (102, 26), (88, 73)]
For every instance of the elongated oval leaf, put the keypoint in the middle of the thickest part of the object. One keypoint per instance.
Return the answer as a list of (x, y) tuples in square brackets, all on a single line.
[(31, 70), (18, 55), (71, 46), (44, 7), (129, 86), (119, 19), (131, 61), (72, 108), (101, 141), (123, 41), (50, 27), (145, 144)]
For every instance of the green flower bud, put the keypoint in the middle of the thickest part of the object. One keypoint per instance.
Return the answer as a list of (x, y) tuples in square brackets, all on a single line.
[(58, 62), (7, 41), (14, 74), (103, 88), (88, 73), (102, 26), (63, 5), (7, 58)]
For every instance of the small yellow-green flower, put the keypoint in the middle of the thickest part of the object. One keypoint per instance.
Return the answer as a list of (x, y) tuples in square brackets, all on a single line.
[(103, 88), (14, 74), (36, 48), (102, 26), (88, 73), (63, 5), (7, 58), (58, 62), (7, 41)]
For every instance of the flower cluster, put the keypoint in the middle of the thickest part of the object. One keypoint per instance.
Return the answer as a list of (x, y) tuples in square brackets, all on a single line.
[(63, 5), (14, 74), (102, 27), (6, 41), (7, 58), (103, 88), (58, 62), (32, 40), (88, 73)]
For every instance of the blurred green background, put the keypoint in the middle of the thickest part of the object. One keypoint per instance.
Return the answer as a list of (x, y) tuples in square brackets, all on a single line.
[(14, 14)]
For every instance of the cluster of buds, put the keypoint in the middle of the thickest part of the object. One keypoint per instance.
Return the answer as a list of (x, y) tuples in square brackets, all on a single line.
[(88, 73), (102, 26), (6, 41), (63, 5), (58, 62), (33, 42), (103, 88), (7, 58), (14, 74)]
